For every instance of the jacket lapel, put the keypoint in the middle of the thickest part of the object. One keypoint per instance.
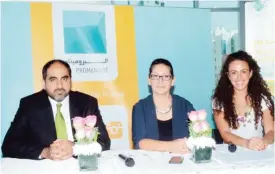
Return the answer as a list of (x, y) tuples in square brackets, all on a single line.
[(50, 122), (46, 118), (152, 118), (179, 118), (74, 111)]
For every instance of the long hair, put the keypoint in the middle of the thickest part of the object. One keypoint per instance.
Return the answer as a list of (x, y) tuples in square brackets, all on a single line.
[(257, 91)]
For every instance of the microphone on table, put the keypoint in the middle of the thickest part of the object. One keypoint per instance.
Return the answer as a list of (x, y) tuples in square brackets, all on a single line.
[(232, 148), (128, 160)]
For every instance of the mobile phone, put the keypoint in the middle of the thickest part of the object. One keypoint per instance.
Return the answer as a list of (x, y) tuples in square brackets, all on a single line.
[(176, 160)]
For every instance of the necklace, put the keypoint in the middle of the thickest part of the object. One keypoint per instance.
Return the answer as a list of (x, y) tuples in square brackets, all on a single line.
[(246, 118), (247, 111), (247, 107), (164, 111)]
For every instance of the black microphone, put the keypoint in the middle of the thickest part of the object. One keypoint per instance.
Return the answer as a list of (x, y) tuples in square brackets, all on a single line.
[(128, 160), (232, 148)]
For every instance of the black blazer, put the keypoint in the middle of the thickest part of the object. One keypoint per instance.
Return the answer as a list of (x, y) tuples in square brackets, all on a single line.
[(33, 126), (144, 119)]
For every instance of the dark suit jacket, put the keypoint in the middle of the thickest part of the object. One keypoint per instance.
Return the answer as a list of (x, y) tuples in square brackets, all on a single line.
[(33, 127), (144, 120)]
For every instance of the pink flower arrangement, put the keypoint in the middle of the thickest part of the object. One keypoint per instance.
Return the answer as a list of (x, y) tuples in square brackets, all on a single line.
[(196, 127), (198, 124), (200, 131), (193, 116), (204, 126), (202, 115), (85, 129), (199, 115)]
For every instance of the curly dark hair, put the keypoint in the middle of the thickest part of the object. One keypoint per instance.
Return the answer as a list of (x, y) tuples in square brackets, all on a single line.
[(257, 91)]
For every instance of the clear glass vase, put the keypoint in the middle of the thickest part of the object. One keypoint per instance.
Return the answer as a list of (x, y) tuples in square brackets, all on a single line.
[(88, 162), (202, 155)]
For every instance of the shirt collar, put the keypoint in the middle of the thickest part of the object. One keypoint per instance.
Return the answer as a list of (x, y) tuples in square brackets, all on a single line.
[(64, 102)]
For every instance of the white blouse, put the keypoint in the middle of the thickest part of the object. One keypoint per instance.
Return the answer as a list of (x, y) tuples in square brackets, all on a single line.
[(246, 127)]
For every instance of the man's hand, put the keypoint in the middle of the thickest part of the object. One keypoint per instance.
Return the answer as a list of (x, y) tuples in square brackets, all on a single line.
[(61, 149), (46, 153)]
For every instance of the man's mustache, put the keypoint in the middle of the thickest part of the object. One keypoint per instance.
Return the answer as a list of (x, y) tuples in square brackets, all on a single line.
[(60, 90)]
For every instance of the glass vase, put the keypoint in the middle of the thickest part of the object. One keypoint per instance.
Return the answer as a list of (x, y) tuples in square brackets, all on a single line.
[(88, 162), (202, 155)]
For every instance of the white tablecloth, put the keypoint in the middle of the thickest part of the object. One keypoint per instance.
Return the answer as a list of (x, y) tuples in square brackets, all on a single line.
[(223, 162)]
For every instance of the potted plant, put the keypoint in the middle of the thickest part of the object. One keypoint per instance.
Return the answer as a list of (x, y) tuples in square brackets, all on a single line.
[(86, 148), (200, 141)]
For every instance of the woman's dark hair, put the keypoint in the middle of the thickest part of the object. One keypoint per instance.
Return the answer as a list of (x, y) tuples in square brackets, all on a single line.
[(257, 91), (164, 62), (49, 64)]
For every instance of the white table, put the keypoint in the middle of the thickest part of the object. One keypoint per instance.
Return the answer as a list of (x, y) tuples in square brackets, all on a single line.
[(223, 162)]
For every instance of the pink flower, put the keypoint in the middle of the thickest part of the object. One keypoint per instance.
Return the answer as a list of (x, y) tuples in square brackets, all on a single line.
[(202, 115), (80, 134), (78, 123), (197, 127), (88, 132), (204, 126), (90, 121), (193, 116)]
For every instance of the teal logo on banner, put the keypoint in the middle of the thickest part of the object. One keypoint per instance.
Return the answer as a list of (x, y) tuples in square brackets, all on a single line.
[(259, 4), (84, 32)]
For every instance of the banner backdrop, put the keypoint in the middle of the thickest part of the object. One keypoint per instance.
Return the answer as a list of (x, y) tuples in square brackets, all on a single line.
[(260, 37), (109, 49), (92, 39)]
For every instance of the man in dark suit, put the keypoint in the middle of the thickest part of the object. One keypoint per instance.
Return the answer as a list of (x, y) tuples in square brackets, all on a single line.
[(42, 127)]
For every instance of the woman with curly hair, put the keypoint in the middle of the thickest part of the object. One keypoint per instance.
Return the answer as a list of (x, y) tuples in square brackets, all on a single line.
[(243, 106)]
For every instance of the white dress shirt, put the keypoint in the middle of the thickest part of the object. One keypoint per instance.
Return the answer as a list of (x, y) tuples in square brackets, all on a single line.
[(65, 110)]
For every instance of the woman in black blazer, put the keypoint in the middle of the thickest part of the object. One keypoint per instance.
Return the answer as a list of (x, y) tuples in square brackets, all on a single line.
[(160, 121)]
